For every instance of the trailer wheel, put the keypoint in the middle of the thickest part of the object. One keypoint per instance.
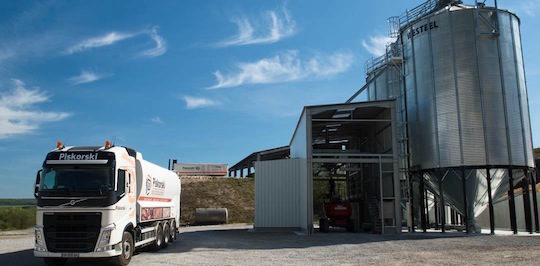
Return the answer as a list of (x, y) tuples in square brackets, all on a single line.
[(158, 243), (166, 235), (54, 261), (127, 250), (173, 231)]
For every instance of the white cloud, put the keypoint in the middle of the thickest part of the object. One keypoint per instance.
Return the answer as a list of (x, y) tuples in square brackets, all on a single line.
[(161, 45), (157, 120), (18, 114), (85, 77), (376, 45), (198, 102), (276, 27), (104, 40), (284, 67), (114, 37)]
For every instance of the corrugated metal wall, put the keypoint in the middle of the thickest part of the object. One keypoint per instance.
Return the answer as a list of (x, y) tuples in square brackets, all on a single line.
[(278, 194), (466, 91)]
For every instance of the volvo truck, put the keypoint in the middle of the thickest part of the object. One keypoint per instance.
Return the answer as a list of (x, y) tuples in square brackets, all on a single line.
[(96, 202)]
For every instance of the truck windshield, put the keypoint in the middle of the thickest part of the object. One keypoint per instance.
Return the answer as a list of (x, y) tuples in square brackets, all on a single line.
[(76, 180)]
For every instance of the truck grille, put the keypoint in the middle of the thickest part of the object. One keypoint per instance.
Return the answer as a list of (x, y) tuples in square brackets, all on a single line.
[(71, 232)]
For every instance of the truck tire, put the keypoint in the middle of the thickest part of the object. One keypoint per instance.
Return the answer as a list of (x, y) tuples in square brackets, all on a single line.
[(166, 235), (158, 243), (54, 261), (127, 250), (173, 231)]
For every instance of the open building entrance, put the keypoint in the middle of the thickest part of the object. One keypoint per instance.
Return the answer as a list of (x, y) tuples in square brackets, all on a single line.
[(346, 147), (355, 181)]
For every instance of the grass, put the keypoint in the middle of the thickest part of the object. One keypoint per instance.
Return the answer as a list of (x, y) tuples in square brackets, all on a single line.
[(17, 214), (13, 218), (237, 195), (17, 202)]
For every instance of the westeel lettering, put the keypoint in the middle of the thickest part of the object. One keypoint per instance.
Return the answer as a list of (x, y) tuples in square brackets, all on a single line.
[(423, 28)]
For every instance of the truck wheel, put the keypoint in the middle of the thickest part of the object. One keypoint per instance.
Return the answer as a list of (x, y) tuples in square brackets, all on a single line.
[(54, 261), (127, 250), (166, 235), (173, 231), (156, 245)]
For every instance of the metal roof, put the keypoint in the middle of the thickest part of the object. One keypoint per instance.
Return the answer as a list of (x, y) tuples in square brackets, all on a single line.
[(264, 155)]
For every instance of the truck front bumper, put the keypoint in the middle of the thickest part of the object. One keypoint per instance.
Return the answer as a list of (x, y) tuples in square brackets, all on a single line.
[(116, 251)]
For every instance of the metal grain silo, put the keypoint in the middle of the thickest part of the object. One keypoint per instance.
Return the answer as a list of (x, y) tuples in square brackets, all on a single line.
[(467, 107), (467, 138)]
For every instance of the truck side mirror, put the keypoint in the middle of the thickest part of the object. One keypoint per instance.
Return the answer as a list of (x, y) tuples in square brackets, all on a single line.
[(36, 185)]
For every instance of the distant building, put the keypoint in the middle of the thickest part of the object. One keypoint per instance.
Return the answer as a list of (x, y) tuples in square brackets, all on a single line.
[(199, 169)]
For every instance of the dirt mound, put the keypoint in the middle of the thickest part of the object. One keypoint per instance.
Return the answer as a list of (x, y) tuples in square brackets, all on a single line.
[(237, 195)]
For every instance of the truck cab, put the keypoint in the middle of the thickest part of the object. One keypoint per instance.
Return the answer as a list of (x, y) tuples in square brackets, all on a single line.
[(89, 204)]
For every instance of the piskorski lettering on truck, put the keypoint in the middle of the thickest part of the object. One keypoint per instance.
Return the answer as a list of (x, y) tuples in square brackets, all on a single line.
[(75, 156)]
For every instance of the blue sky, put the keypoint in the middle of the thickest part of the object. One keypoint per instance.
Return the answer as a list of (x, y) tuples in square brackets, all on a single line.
[(200, 81)]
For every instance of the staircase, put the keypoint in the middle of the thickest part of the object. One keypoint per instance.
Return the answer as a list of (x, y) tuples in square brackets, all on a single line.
[(373, 205)]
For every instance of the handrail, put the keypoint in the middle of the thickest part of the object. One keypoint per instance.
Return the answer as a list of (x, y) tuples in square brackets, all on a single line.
[(397, 23), (392, 50), (423, 9)]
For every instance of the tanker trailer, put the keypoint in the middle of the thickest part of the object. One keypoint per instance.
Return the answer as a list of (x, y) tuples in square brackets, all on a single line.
[(95, 202)]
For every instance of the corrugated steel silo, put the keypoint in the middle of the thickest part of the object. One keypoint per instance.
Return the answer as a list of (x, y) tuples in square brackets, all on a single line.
[(467, 105), (463, 87)]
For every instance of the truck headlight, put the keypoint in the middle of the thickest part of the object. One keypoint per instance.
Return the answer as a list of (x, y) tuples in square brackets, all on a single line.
[(105, 236), (39, 239)]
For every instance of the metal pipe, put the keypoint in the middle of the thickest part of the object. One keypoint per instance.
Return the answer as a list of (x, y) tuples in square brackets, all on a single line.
[(490, 202), (511, 201)]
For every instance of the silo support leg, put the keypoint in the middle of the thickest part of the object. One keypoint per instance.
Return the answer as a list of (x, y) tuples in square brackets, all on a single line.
[(535, 202), (465, 205), (490, 203), (411, 203), (422, 204), (527, 201), (442, 210), (436, 210), (511, 202), (427, 207)]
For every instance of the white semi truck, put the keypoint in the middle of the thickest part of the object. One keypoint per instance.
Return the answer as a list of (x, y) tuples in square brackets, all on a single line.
[(103, 202)]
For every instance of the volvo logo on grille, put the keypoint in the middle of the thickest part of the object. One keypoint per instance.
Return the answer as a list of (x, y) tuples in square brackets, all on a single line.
[(72, 202)]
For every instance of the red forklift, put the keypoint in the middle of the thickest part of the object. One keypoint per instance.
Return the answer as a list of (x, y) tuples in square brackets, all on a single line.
[(336, 211)]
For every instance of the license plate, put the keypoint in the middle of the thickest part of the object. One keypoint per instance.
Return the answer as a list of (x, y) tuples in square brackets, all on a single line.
[(70, 255)]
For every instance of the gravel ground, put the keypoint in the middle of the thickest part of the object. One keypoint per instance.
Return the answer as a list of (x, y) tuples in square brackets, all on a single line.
[(237, 245)]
